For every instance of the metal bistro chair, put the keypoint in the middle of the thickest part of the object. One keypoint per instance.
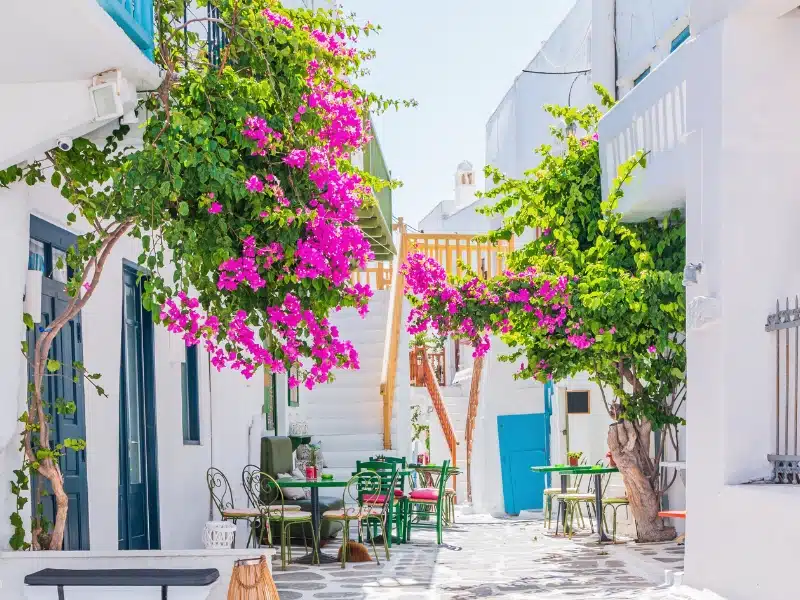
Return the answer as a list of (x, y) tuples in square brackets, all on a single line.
[(362, 504), (427, 503), (222, 495), (267, 496)]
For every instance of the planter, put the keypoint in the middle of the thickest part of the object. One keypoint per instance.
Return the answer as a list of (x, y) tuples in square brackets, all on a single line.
[(219, 535), (573, 461), (610, 458)]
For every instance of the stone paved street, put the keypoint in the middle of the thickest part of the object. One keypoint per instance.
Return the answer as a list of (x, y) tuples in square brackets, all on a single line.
[(506, 559)]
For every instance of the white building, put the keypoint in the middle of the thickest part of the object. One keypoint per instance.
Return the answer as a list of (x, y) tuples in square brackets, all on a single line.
[(141, 482), (717, 117)]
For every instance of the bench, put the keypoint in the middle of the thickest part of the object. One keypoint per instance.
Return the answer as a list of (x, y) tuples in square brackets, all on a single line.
[(674, 514), (74, 584)]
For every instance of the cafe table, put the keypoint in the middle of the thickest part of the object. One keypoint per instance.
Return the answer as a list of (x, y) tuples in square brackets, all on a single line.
[(597, 472), (314, 485)]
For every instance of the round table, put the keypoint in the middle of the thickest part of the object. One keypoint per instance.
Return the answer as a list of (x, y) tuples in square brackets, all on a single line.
[(314, 485), (598, 473)]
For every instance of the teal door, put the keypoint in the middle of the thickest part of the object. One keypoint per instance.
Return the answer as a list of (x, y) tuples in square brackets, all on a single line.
[(523, 444), (48, 243), (138, 481)]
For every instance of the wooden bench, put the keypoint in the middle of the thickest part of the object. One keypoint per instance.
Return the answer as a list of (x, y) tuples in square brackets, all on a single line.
[(159, 580)]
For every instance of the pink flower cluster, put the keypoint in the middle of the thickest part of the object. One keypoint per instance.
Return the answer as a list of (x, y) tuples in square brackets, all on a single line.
[(457, 309), (329, 247)]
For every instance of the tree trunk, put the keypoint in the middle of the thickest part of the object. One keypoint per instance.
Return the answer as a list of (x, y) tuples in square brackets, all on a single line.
[(630, 446)]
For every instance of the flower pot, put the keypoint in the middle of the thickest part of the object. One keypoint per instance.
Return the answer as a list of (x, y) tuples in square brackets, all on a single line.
[(573, 461), (610, 458)]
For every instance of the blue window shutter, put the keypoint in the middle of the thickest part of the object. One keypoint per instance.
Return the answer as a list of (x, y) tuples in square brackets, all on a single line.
[(680, 38), (191, 396)]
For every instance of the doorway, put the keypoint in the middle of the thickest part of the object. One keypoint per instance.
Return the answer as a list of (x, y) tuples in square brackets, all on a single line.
[(139, 527)]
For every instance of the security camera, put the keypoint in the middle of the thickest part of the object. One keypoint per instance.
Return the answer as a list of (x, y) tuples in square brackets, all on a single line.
[(64, 143)]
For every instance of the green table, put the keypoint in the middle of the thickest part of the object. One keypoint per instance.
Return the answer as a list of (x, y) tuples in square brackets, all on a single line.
[(315, 485), (598, 473)]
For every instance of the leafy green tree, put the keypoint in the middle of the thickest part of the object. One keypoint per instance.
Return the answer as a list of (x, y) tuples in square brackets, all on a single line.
[(621, 316)]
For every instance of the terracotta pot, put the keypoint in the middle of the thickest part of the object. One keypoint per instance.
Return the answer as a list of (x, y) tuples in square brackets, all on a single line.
[(610, 458), (573, 461)]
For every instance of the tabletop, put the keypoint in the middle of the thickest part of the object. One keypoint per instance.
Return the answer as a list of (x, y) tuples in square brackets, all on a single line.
[(593, 470), (555, 468), (312, 483)]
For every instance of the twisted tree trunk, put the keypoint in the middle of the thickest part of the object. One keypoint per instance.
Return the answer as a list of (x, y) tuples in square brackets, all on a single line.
[(629, 443)]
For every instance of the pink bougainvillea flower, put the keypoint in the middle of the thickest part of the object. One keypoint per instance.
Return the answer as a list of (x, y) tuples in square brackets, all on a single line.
[(254, 184), (211, 195), (651, 349), (215, 208)]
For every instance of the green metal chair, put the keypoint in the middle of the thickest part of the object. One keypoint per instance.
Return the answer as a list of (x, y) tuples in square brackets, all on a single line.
[(575, 501), (426, 503), (267, 497), (615, 504), (361, 504)]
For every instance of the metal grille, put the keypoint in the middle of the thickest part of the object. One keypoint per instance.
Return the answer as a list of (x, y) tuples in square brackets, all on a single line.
[(785, 325), (217, 40)]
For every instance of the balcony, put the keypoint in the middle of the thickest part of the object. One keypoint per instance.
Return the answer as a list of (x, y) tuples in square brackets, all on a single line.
[(651, 117), (51, 51), (376, 220)]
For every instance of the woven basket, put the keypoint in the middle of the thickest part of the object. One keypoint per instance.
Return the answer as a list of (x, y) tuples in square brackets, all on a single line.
[(251, 580)]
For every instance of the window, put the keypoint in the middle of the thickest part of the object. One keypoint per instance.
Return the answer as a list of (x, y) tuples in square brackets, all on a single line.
[(680, 38), (641, 77), (190, 394), (578, 403), (48, 259), (270, 398)]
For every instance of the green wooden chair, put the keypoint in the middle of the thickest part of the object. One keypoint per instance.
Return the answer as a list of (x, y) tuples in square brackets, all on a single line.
[(389, 472), (267, 497), (424, 503), (363, 505)]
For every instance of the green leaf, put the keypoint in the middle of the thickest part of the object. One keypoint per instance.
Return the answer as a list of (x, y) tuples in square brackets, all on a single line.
[(183, 209), (28, 320), (53, 365)]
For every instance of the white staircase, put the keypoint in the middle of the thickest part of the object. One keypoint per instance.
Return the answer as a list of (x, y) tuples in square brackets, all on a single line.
[(456, 399), (346, 416)]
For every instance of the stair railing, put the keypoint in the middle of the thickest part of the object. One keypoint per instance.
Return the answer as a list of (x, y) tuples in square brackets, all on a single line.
[(441, 412), (392, 338), (472, 413)]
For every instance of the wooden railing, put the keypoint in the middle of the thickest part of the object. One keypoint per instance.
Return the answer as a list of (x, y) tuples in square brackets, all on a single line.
[(450, 249), (441, 412), (416, 360), (378, 275), (472, 414), (392, 339)]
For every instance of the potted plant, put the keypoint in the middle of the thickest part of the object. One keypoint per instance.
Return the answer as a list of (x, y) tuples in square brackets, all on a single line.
[(574, 458), (610, 458), (380, 458)]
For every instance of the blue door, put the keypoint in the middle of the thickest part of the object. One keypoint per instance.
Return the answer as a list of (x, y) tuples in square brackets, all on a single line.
[(47, 251), (523, 444), (138, 481)]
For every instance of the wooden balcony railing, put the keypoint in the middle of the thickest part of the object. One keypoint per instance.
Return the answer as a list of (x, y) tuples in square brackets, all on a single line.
[(378, 275), (416, 360), (449, 249)]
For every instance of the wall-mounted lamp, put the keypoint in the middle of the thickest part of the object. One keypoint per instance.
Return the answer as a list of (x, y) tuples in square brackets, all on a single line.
[(106, 91), (690, 273)]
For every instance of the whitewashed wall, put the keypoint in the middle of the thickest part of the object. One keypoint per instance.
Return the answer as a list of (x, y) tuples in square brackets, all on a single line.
[(742, 223), (183, 493)]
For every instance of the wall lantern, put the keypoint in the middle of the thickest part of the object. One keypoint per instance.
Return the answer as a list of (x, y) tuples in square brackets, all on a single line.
[(106, 91)]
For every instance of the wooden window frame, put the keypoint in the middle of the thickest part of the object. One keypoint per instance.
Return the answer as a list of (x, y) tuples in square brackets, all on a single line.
[(190, 388), (588, 402)]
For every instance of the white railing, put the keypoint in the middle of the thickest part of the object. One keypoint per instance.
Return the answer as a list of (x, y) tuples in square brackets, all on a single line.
[(651, 117)]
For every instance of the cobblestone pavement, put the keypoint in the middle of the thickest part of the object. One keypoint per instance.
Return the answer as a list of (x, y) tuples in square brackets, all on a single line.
[(507, 559)]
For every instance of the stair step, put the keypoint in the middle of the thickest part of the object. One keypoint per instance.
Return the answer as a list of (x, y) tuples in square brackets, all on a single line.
[(338, 442)]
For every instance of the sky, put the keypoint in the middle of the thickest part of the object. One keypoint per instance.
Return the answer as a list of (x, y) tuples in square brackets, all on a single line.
[(457, 59)]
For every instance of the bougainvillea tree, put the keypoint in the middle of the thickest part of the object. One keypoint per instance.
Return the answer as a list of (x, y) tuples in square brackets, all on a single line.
[(591, 294), (243, 195)]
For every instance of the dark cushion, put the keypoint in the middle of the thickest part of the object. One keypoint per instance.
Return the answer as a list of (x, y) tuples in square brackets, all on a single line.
[(123, 577)]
